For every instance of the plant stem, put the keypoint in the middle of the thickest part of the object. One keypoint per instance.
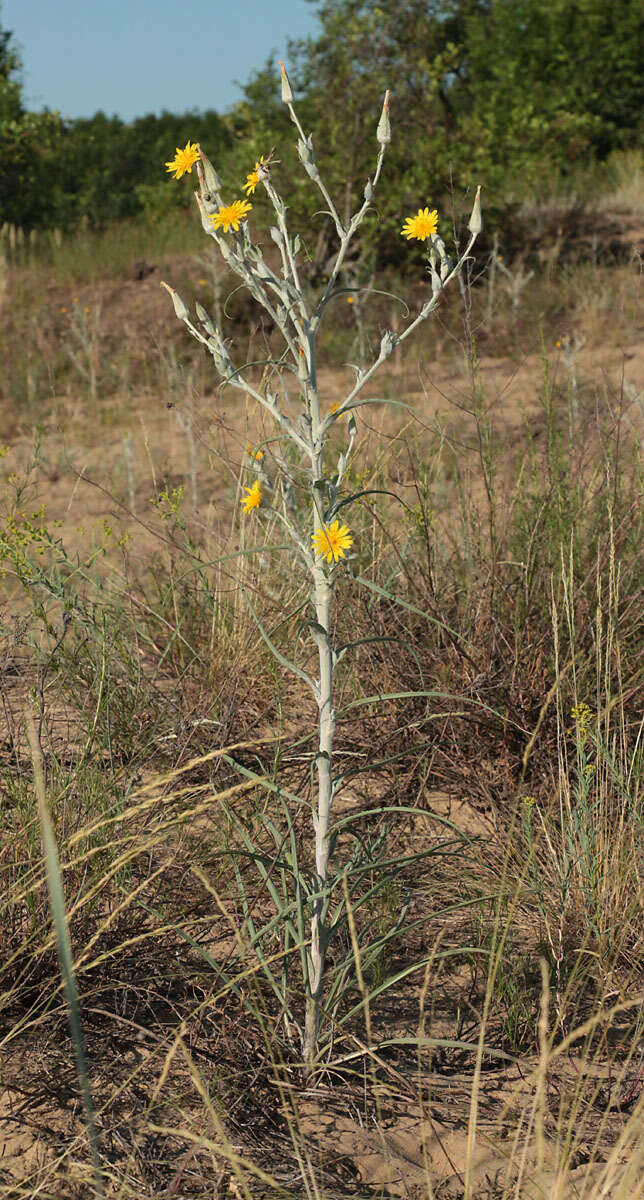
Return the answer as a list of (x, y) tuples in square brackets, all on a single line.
[(323, 591)]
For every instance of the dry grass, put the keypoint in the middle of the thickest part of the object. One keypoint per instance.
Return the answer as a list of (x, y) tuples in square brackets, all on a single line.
[(493, 1046)]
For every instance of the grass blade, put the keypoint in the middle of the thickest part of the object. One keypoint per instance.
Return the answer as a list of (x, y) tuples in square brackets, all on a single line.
[(59, 917)]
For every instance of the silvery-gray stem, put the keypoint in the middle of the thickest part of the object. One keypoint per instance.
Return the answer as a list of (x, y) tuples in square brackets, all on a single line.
[(322, 592)]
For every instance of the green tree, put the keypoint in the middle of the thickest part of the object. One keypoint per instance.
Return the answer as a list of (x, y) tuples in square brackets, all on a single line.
[(550, 81), (363, 48)]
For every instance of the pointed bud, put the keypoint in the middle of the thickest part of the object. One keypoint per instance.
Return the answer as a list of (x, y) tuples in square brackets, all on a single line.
[(383, 132), (305, 150), (204, 319), (213, 182), (180, 307), (446, 266), (476, 220), (287, 92), (368, 191)]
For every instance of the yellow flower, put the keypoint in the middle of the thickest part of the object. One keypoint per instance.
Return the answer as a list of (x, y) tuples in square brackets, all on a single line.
[(582, 716), (256, 454), (253, 499), (331, 541), (252, 179), (351, 299), (334, 408), (422, 226), (230, 215), (183, 161)]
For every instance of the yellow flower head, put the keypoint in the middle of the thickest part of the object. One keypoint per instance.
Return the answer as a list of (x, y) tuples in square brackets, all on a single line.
[(582, 716), (252, 179), (331, 541), (351, 299), (230, 215), (253, 499), (334, 408), (422, 226), (183, 161), (256, 454)]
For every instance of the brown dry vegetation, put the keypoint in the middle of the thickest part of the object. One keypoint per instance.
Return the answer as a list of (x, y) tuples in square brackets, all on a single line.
[(496, 584)]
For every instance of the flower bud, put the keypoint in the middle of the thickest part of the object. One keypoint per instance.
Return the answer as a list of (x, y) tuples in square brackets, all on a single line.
[(368, 191), (205, 215), (305, 150), (383, 132), (180, 306), (204, 319), (476, 220), (213, 182), (387, 343), (287, 93)]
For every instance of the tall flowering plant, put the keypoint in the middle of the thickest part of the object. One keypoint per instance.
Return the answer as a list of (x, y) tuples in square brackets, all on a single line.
[(321, 544)]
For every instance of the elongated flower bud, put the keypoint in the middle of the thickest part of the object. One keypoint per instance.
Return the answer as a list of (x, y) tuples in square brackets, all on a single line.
[(180, 306), (383, 132), (213, 182), (305, 150), (287, 92), (476, 220), (204, 319)]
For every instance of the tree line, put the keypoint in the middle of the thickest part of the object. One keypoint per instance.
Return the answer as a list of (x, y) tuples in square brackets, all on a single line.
[(503, 92)]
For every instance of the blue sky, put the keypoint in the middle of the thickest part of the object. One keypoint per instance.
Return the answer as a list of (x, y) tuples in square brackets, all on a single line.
[(132, 57)]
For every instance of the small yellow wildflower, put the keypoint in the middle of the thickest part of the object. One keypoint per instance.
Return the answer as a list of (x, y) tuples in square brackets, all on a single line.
[(183, 161), (256, 454), (202, 282), (351, 299), (334, 408), (422, 226), (75, 300), (230, 215), (63, 309), (558, 345), (529, 801), (252, 179), (331, 541), (582, 715), (253, 499), (86, 309)]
